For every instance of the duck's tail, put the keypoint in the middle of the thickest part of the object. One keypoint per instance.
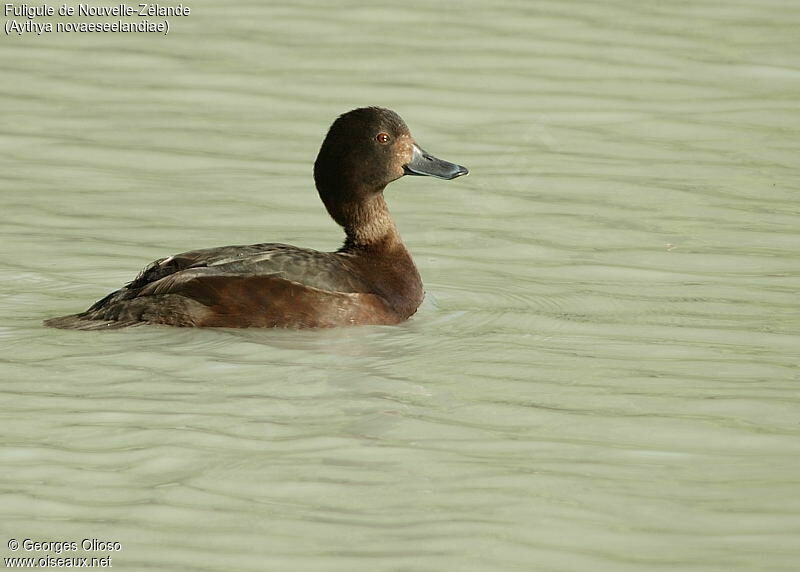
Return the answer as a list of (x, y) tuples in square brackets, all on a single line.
[(82, 322)]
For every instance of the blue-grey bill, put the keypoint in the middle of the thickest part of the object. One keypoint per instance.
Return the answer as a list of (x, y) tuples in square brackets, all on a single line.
[(423, 163)]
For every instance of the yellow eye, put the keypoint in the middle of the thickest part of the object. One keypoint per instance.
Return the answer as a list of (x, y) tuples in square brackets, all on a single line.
[(382, 138)]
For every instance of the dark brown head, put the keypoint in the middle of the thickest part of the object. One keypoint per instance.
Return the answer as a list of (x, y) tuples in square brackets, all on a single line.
[(365, 150)]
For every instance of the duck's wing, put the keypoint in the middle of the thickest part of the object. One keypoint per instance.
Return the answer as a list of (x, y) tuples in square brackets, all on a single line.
[(323, 270), (206, 297), (259, 285)]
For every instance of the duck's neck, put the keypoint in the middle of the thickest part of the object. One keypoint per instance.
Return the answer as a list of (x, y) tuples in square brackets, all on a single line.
[(366, 221), (370, 225)]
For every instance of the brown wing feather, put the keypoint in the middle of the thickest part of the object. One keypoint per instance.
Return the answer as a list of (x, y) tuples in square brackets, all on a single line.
[(198, 298), (268, 301)]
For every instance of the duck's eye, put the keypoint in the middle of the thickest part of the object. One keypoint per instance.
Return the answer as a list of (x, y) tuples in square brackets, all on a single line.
[(382, 138)]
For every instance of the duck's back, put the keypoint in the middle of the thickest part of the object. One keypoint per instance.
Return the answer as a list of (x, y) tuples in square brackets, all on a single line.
[(260, 285)]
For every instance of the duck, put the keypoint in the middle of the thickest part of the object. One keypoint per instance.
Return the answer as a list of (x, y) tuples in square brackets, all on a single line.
[(370, 280)]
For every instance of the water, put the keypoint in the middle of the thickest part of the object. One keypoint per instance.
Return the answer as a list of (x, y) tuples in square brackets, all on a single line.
[(604, 373)]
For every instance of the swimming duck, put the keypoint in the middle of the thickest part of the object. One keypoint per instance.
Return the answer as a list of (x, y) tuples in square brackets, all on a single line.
[(371, 279)]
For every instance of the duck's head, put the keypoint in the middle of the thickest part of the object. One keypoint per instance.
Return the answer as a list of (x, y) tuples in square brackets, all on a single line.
[(365, 150)]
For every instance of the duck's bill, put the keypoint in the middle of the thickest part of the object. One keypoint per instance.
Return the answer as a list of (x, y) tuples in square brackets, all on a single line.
[(423, 163)]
